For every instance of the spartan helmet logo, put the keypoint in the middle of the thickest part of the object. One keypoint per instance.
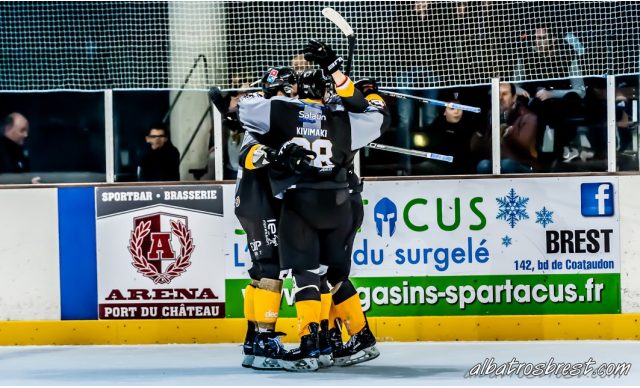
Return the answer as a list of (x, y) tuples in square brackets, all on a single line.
[(385, 211)]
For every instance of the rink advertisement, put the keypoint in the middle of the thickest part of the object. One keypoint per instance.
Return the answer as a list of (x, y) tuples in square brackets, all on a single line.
[(158, 252), (479, 246)]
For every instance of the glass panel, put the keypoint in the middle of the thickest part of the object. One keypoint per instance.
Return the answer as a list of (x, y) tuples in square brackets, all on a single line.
[(65, 141), (572, 118), (135, 114), (423, 126), (627, 123)]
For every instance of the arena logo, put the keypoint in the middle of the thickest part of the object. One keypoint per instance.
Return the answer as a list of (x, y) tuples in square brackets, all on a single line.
[(161, 246)]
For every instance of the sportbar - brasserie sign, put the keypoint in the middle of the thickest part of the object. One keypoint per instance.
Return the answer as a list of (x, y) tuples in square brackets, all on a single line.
[(157, 252)]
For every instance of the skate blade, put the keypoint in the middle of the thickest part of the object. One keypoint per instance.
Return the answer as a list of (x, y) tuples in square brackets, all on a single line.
[(266, 363), (325, 361), (247, 361), (362, 356), (303, 365)]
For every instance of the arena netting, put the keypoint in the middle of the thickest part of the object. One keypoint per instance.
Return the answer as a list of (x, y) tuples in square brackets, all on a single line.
[(407, 44)]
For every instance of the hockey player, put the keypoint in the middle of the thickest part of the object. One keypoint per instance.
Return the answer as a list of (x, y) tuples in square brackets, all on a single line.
[(258, 211), (345, 304), (316, 144)]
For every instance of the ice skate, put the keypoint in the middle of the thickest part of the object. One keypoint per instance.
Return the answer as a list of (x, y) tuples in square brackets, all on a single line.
[(268, 350), (335, 338), (325, 359), (304, 358), (359, 348), (247, 351)]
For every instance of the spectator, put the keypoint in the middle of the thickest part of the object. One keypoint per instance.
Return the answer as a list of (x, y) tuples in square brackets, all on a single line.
[(162, 160), (551, 58), (519, 131), (14, 158), (557, 101), (449, 134), (299, 64), (421, 43)]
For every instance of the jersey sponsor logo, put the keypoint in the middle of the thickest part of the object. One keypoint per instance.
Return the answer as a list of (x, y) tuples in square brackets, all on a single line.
[(270, 231), (311, 117), (256, 246), (385, 211), (154, 250), (311, 132), (596, 199)]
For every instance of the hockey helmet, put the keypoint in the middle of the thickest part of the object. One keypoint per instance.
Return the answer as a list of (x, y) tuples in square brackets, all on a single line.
[(312, 84), (279, 79)]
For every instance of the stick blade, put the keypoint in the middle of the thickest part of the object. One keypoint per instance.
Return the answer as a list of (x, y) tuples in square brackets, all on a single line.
[(338, 20)]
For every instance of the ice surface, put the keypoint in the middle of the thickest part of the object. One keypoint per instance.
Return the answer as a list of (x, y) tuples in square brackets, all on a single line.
[(419, 363)]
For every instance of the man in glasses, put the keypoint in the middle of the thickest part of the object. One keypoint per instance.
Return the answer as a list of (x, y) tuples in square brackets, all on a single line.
[(161, 162)]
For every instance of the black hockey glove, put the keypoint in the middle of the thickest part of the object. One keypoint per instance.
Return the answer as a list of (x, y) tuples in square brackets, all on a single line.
[(269, 153), (323, 55), (367, 86), (295, 158), (221, 101)]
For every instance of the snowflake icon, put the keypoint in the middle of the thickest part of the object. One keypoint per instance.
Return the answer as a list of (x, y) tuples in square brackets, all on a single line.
[(506, 241), (544, 217), (512, 208)]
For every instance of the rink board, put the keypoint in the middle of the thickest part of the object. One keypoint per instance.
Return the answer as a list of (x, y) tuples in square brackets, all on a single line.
[(65, 261), (404, 329)]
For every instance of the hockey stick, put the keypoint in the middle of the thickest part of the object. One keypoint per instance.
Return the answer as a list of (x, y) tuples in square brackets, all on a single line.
[(346, 29), (404, 151), (241, 90), (431, 101)]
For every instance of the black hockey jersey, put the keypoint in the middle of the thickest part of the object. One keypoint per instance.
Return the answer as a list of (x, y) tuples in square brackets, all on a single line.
[(331, 131)]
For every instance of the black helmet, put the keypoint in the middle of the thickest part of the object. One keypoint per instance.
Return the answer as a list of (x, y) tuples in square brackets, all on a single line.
[(278, 79), (312, 84)]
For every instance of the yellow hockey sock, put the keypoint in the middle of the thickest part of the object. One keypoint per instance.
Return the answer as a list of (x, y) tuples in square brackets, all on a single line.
[(325, 303), (249, 294), (333, 314), (308, 311), (267, 303), (350, 311)]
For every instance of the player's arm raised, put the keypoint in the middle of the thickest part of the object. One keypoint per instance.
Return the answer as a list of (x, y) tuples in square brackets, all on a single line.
[(324, 56), (374, 121)]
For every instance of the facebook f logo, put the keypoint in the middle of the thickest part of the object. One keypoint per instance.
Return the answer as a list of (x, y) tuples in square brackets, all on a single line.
[(597, 199)]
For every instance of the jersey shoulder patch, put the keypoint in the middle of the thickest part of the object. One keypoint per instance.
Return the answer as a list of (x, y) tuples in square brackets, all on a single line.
[(250, 96), (378, 103)]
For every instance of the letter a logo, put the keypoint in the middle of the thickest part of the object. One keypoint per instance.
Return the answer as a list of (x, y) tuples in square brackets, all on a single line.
[(161, 246)]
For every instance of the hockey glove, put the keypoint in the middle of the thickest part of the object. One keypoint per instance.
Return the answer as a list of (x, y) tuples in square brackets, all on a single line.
[(221, 101), (323, 55), (260, 156), (367, 86), (295, 158)]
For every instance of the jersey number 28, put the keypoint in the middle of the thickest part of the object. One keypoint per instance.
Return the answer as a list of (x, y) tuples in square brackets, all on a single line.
[(322, 148)]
